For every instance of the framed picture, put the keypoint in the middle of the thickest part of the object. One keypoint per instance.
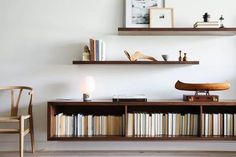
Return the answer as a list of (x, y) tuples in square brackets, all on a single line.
[(137, 12), (161, 18)]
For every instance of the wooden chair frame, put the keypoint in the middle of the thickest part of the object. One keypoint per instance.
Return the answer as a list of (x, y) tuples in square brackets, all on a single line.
[(20, 119)]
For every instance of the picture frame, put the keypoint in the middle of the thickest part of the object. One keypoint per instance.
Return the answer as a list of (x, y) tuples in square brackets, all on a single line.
[(161, 17), (137, 12)]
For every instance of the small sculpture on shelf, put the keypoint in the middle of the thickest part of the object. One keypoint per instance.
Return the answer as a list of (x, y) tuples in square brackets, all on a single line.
[(206, 17), (138, 55), (86, 53), (185, 57), (180, 56), (221, 21), (165, 57)]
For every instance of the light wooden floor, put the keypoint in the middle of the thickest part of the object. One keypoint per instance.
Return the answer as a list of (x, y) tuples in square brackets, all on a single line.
[(121, 154)]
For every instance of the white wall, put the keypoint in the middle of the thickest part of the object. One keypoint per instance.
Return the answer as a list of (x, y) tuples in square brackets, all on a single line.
[(40, 38)]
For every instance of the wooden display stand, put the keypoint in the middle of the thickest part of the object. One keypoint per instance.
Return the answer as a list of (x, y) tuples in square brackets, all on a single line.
[(201, 98)]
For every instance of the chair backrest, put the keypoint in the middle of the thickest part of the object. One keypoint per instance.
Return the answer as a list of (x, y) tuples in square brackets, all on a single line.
[(17, 91)]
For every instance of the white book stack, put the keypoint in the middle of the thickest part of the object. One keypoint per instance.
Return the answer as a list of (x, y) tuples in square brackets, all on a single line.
[(210, 24)]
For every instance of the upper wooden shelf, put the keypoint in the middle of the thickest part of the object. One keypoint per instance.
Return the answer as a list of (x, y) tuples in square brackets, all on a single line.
[(136, 62), (177, 31)]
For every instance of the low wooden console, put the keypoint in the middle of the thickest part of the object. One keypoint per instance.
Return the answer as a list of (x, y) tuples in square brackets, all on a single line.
[(206, 113)]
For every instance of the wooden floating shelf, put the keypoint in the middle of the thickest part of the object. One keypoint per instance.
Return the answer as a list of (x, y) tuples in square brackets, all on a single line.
[(123, 138), (136, 62), (177, 31)]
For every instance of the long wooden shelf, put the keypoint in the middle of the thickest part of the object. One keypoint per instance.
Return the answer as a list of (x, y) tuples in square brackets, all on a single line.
[(123, 138), (136, 62), (107, 107), (177, 31)]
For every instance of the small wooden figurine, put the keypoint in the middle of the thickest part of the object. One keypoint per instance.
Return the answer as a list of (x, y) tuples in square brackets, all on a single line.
[(180, 55), (206, 17), (139, 55), (185, 57), (86, 53), (221, 21)]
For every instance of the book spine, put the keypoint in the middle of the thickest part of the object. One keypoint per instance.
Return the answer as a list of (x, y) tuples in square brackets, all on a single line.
[(92, 50), (97, 50)]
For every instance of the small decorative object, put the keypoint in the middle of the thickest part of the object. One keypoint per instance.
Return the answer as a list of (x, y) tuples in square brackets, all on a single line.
[(87, 86), (137, 12), (139, 55), (180, 55), (221, 21), (161, 18), (201, 88), (185, 57), (206, 17), (165, 57), (129, 98), (86, 53)]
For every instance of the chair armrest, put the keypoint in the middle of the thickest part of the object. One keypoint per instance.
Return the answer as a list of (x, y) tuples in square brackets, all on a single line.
[(25, 117)]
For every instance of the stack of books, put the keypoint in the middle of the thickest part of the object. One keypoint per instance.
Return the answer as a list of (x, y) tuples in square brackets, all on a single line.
[(162, 124), (97, 50), (211, 24), (218, 124), (89, 125), (129, 98)]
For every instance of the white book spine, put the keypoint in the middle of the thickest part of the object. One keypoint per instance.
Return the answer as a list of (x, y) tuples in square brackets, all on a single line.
[(90, 131), (103, 51), (100, 49), (156, 124), (149, 125), (182, 126), (152, 125), (135, 124), (67, 126), (82, 125), (215, 124), (160, 123), (170, 124), (71, 125), (174, 124), (188, 123), (206, 124), (225, 124), (139, 124), (143, 125), (79, 125)]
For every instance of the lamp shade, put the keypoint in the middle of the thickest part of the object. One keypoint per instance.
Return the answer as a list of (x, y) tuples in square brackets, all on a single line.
[(88, 85)]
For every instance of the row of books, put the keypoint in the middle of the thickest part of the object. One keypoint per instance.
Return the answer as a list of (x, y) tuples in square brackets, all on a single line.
[(210, 24), (162, 124), (218, 124), (89, 125), (97, 50)]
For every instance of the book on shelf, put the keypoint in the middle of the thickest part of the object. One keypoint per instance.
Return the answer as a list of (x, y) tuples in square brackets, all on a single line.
[(211, 24), (218, 124), (129, 98), (162, 124), (97, 50), (89, 125)]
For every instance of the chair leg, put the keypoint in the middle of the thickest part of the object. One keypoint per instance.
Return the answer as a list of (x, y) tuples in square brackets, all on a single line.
[(32, 134), (21, 137)]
